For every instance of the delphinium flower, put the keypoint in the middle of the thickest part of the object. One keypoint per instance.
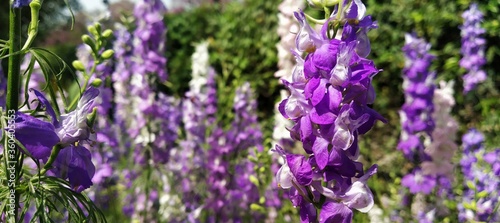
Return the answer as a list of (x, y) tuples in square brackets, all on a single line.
[(472, 48), (71, 132), (481, 196), (418, 85), (150, 117), (329, 96), (190, 157), (230, 191)]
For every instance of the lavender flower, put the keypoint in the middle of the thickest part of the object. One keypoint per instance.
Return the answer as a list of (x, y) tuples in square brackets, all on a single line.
[(329, 93), (472, 48)]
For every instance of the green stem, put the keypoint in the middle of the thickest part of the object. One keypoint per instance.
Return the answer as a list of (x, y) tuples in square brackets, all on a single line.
[(35, 6), (52, 158), (12, 100)]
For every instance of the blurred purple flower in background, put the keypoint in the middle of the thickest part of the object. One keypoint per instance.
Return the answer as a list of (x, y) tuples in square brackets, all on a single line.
[(473, 45), (418, 85), (481, 180)]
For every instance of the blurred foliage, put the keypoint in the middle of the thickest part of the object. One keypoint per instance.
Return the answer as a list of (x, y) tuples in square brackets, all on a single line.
[(53, 13), (242, 48)]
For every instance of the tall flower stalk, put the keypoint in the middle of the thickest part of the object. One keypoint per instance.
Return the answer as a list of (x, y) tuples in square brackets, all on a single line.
[(472, 48), (328, 103), (149, 115)]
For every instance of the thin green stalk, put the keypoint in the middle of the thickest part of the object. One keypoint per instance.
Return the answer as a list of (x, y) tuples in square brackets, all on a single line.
[(35, 6), (52, 158), (12, 100)]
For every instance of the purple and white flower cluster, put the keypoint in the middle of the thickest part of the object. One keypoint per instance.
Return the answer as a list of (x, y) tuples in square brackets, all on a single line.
[(481, 171), (328, 103), (472, 48), (71, 132)]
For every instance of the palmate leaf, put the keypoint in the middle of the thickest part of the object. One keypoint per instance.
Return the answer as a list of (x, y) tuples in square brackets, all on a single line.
[(53, 67), (54, 197)]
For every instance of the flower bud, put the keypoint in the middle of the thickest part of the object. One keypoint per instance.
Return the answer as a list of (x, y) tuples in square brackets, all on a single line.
[(107, 54), (256, 207), (78, 65), (35, 5), (254, 180), (107, 33), (92, 30), (482, 194), (89, 41), (96, 82), (471, 185), (92, 117), (98, 27)]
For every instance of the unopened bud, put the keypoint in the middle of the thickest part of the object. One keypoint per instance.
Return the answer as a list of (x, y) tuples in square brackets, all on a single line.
[(98, 27), (256, 207), (78, 65), (107, 54), (96, 82), (471, 185), (35, 5), (482, 194), (254, 180), (107, 33), (88, 40), (92, 30), (92, 117)]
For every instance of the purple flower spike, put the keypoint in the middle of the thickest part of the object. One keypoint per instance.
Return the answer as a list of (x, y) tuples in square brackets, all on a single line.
[(74, 163), (37, 136), (330, 90), (472, 48)]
